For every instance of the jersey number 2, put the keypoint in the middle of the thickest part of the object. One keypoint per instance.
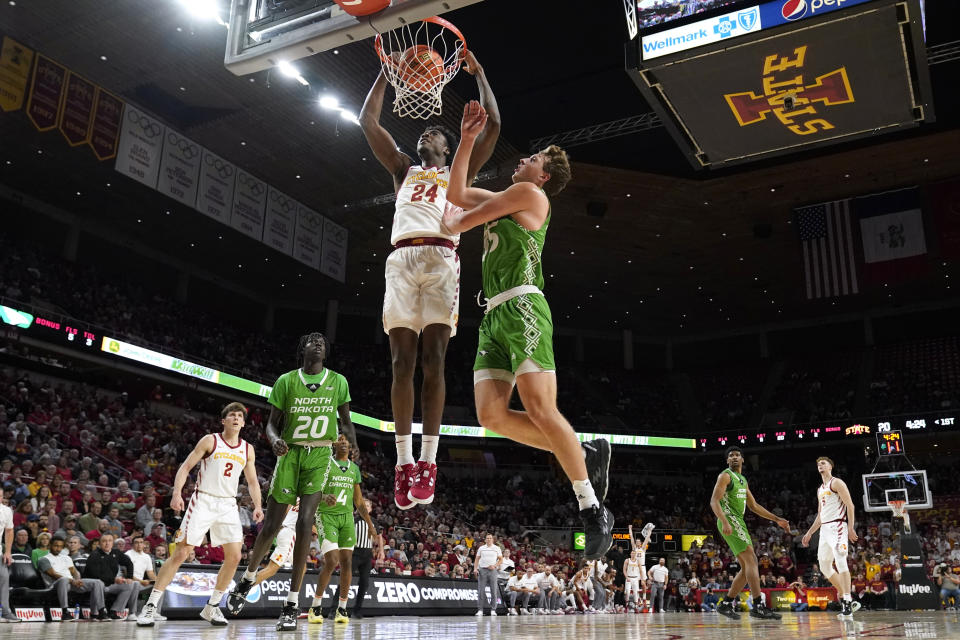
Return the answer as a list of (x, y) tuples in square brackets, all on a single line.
[(227, 469), (313, 424), (420, 192)]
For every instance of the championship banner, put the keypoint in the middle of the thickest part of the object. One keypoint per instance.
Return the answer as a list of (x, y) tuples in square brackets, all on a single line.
[(46, 94), (76, 116), (141, 142), (217, 178), (306, 240), (333, 258), (179, 168), (193, 585), (281, 221), (15, 62), (105, 130), (249, 204)]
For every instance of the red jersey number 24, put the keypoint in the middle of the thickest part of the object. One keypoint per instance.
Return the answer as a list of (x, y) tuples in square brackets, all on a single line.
[(420, 192)]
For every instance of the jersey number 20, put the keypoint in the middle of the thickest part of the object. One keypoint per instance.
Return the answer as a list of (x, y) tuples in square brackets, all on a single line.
[(317, 427)]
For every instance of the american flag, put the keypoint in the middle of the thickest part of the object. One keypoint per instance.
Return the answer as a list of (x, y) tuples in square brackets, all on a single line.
[(829, 266)]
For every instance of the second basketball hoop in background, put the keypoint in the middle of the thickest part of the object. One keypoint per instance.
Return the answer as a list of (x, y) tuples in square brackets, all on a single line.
[(419, 59)]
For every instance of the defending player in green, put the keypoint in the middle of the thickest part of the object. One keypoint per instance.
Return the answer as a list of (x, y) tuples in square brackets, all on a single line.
[(335, 528), (730, 500), (308, 406), (516, 334)]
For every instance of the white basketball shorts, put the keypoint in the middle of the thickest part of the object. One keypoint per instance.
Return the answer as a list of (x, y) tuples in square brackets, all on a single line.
[(206, 513), (423, 288), (833, 548)]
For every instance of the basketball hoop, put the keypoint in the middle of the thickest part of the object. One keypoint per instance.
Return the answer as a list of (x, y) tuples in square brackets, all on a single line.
[(419, 59), (899, 508)]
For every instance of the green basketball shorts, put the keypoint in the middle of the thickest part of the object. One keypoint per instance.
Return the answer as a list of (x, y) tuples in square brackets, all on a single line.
[(299, 472), (739, 540), (517, 330), (336, 531)]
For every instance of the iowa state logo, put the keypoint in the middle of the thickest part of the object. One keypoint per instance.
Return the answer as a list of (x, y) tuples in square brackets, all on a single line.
[(789, 97)]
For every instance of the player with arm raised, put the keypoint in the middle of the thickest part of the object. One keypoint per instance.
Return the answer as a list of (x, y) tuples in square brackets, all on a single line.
[(336, 530), (309, 405), (422, 298), (635, 567), (730, 500), (213, 508), (835, 520), (516, 334)]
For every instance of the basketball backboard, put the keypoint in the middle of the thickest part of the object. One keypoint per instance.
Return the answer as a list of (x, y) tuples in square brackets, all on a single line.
[(261, 33), (911, 486)]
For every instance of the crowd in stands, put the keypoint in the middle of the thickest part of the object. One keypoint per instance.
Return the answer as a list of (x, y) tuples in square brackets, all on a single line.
[(915, 376)]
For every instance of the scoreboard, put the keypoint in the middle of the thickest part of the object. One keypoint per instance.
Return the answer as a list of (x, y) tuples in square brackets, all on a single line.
[(785, 76)]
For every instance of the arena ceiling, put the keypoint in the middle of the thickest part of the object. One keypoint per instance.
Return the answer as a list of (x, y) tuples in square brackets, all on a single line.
[(638, 240)]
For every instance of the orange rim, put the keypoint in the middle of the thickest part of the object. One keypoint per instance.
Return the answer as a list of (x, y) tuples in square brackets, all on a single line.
[(446, 24)]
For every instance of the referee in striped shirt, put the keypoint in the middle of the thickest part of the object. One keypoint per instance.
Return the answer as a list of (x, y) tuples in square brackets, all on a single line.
[(363, 553)]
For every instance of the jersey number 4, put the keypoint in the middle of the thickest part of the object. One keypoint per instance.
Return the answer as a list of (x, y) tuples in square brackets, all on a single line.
[(342, 498), (420, 192), (313, 428)]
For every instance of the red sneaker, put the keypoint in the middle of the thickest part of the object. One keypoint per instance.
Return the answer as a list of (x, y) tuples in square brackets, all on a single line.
[(425, 482), (403, 477)]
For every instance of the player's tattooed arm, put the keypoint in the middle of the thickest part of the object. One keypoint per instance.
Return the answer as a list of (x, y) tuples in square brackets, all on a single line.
[(274, 424), (347, 428), (487, 140)]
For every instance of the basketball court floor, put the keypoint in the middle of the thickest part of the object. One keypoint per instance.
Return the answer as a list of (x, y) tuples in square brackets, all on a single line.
[(939, 625)]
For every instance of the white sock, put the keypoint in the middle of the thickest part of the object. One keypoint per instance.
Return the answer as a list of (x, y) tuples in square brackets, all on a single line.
[(215, 598), (250, 575), (585, 495), (404, 450), (343, 603), (293, 597), (317, 602), (155, 596), (428, 448), (847, 597)]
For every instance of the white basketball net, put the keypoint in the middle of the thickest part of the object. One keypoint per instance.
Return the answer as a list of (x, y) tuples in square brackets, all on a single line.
[(417, 95)]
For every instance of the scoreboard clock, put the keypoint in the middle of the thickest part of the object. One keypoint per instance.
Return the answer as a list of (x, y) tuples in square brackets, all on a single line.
[(855, 72), (890, 443)]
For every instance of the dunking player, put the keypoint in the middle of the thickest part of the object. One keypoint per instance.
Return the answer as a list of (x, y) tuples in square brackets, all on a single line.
[(213, 508), (835, 519), (729, 502), (422, 279), (335, 527), (635, 567), (308, 403), (516, 335)]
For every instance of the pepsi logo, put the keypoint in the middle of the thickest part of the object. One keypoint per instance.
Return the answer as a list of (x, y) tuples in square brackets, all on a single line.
[(794, 9)]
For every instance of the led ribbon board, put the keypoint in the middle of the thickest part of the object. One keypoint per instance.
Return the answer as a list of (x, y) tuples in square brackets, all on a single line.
[(166, 362)]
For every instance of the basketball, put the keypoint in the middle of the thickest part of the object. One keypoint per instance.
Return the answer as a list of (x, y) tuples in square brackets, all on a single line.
[(420, 68)]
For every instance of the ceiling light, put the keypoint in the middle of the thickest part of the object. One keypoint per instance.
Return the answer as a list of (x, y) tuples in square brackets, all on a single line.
[(243, 143), (329, 102), (289, 70), (104, 58), (205, 9), (78, 193), (183, 88), (139, 220), (336, 52), (349, 116), (298, 176)]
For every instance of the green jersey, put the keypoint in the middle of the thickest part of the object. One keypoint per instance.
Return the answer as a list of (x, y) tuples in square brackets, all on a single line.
[(734, 501), (340, 477), (309, 403), (511, 255)]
